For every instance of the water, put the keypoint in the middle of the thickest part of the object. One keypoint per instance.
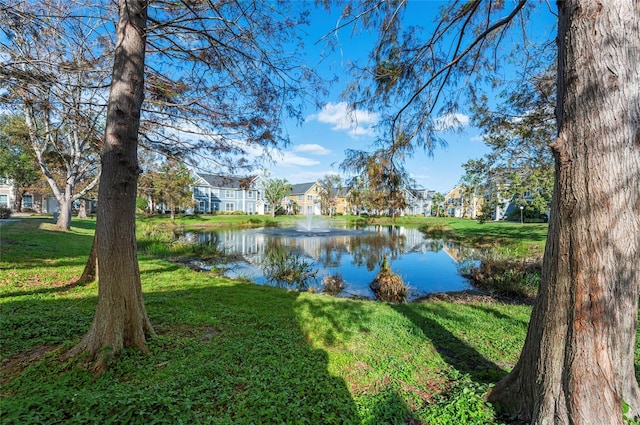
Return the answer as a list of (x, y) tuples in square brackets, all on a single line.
[(426, 265)]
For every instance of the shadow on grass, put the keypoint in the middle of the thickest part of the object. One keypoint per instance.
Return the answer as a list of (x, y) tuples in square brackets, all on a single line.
[(224, 354), (452, 349), (499, 315)]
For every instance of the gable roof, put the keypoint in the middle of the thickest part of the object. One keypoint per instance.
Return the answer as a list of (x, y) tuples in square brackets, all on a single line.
[(231, 182), (301, 188)]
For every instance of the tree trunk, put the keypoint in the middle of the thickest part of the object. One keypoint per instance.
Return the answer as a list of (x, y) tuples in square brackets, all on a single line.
[(18, 203), (121, 320), (64, 213), (82, 211), (577, 364), (90, 272)]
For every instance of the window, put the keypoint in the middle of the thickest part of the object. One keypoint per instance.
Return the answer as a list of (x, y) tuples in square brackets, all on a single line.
[(201, 206), (250, 194), (27, 201), (309, 209), (229, 206), (299, 197), (228, 194), (309, 197), (4, 201)]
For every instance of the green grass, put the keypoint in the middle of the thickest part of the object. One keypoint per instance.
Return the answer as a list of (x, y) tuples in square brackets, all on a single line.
[(230, 352), (517, 240)]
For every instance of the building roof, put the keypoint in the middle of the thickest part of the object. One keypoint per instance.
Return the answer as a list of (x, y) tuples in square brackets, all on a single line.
[(301, 188), (232, 182)]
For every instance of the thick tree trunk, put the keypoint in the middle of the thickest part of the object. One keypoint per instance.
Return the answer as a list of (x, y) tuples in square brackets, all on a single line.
[(82, 211), (577, 365), (121, 319), (64, 213)]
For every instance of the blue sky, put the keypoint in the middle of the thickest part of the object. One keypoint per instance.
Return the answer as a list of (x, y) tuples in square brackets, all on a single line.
[(318, 145)]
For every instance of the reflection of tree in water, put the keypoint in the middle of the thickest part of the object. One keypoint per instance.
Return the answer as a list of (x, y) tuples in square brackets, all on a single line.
[(369, 249), (330, 254), (435, 245)]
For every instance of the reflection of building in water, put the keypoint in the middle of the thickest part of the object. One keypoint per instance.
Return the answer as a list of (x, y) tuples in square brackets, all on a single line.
[(457, 252), (326, 248)]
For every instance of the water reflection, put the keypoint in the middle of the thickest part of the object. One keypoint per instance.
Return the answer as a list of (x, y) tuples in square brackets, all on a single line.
[(426, 265)]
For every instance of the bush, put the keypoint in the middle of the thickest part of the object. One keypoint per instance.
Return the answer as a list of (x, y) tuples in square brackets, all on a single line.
[(287, 270), (388, 286), (5, 212), (519, 278), (333, 284)]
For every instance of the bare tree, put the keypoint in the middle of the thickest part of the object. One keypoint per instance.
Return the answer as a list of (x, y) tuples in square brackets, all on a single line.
[(52, 74), (577, 364)]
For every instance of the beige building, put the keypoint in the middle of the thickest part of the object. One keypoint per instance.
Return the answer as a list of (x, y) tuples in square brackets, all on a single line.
[(305, 198), (458, 203)]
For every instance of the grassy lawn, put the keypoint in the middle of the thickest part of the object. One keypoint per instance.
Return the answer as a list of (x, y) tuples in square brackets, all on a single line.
[(514, 239), (230, 352)]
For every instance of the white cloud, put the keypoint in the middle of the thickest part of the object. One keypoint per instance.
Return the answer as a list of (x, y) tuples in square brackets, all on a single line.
[(477, 138), (290, 159), (342, 117), (451, 122), (313, 149)]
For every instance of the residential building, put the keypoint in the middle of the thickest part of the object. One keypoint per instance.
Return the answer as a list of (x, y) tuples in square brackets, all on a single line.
[(341, 204), (213, 193), (459, 204), (305, 198), (32, 201), (504, 204), (419, 201)]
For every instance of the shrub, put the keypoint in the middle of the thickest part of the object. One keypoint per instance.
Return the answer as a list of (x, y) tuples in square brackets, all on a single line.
[(286, 269), (498, 273), (5, 212), (333, 284), (388, 286)]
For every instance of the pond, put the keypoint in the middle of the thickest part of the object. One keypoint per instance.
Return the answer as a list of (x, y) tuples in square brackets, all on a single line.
[(426, 265)]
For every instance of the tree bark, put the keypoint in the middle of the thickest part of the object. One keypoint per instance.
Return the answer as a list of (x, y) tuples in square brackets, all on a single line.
[(82, 211), (577, 364), (18, 203), (90, 272), (121, 320), (64, 213)]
